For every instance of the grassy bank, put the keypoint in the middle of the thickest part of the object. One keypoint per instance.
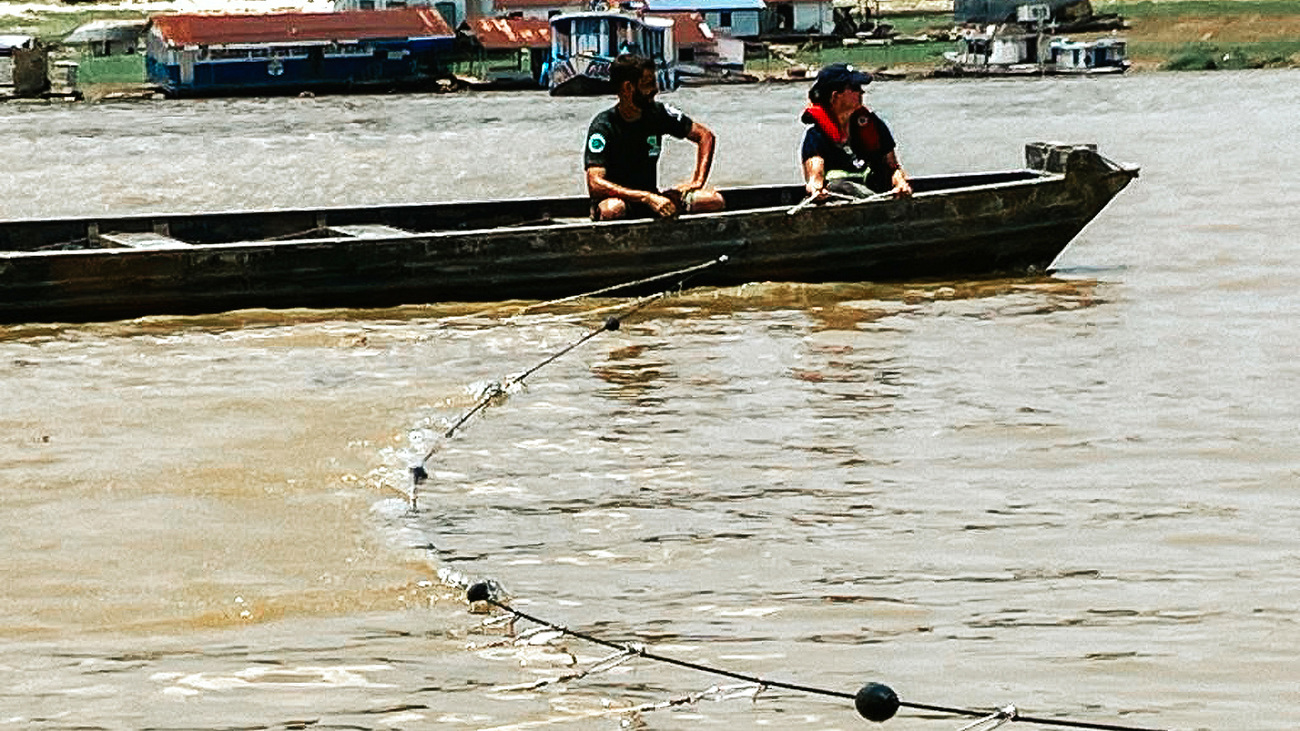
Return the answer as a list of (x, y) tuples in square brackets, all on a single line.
[(53, 25), (1211, 34), (1167, 35)]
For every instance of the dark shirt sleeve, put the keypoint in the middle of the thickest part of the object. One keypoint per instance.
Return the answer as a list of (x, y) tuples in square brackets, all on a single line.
[(812, 144), (886, 137), (593, 155), (673, 121)]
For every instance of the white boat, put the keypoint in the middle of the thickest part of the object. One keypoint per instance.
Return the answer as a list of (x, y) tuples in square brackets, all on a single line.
[(583, 45), (1012, 51), (1102, 56)]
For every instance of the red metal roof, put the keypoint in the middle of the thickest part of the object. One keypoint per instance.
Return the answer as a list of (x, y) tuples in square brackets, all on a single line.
[(689, 29), (213, 30), (506, 33)]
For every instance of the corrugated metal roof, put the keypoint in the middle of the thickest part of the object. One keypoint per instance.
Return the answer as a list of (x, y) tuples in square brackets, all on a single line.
[(703, 5), (214, 30), (98, 31), (689, 29), (506, 33)]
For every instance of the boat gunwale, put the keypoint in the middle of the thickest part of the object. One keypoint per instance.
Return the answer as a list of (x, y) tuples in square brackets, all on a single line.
[(1034, 177)]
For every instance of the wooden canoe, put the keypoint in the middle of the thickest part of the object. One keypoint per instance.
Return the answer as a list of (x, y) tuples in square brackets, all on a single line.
[(964, 225)]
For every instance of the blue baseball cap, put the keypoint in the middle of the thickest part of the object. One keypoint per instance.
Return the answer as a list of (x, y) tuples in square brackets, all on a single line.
[(839, 76)]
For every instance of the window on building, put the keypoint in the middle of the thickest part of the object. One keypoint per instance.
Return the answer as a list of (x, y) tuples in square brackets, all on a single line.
[(724, 18)]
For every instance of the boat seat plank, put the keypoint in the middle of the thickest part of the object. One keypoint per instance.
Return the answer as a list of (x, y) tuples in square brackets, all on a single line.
[(145, 240), (369, 231)]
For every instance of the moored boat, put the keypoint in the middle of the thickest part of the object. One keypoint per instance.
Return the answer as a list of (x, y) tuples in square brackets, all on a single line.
[(1013, 50), (960, 225), (583, 45)]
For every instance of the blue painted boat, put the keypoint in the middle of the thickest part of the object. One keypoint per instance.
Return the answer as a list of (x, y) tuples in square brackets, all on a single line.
[(218, 55)]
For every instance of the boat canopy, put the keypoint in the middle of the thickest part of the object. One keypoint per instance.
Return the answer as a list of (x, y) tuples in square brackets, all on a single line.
[(608, 35)]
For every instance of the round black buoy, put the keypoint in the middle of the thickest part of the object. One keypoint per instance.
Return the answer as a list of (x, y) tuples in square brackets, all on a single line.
[(479, 592), (876, 702), (418, 475), (611, 323)]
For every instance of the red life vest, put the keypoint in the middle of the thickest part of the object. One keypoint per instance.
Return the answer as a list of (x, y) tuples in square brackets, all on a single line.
[(863, 137)]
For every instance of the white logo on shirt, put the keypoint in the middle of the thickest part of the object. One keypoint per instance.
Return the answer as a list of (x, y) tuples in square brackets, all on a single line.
[(596, 143)]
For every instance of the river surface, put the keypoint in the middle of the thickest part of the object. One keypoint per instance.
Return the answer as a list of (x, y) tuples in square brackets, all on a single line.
[(1078, 494)]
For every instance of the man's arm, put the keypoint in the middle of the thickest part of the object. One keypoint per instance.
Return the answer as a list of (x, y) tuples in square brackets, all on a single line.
[(599, 188), (898, 178), (814, 175), (704, 142)]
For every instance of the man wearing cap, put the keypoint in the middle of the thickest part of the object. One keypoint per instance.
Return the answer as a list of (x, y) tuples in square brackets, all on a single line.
[(623, 145), (847, 149)]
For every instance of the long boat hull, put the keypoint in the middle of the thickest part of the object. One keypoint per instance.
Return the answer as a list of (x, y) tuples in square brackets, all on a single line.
[(970, 225)]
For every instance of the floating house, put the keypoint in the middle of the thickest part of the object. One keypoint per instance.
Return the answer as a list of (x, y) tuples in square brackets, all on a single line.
[(213, 55), (24, 66), (788, 19), (103, 38), (705, 57), (507, 52), (735, 18), (584, 44), (1011, 51), (1105, 55)]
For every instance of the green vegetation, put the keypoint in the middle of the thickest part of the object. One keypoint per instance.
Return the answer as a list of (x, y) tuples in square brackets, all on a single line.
[(52, 27), (893, 55), (918, 23), (867, 56), (1197, 8), (1209, 56), (128, 69)]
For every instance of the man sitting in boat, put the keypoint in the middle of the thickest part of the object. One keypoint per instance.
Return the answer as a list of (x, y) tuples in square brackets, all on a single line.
[(623, 145), (847, 150)]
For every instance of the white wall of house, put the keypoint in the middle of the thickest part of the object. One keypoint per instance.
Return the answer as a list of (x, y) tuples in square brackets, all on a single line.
[(817, 16), (1007, 51), (741, 23)]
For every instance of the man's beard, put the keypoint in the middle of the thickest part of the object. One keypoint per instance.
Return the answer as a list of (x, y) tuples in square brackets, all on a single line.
[(644, 102)]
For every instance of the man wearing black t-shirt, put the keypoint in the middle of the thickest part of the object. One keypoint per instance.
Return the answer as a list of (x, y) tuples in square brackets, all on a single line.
[(623, 146)]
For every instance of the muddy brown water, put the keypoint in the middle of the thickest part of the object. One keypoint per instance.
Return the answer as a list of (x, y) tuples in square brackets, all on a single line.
[(1074, 494)]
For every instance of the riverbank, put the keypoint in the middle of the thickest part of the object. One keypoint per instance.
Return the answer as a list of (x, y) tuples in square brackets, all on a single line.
[(1167, 35)]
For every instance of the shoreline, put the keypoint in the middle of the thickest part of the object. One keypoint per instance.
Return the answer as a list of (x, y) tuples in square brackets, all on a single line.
[(1162, 35)]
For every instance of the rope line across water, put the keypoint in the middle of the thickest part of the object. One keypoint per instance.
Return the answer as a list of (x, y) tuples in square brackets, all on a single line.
[(873, 701), (419, 474), (686, 273)]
